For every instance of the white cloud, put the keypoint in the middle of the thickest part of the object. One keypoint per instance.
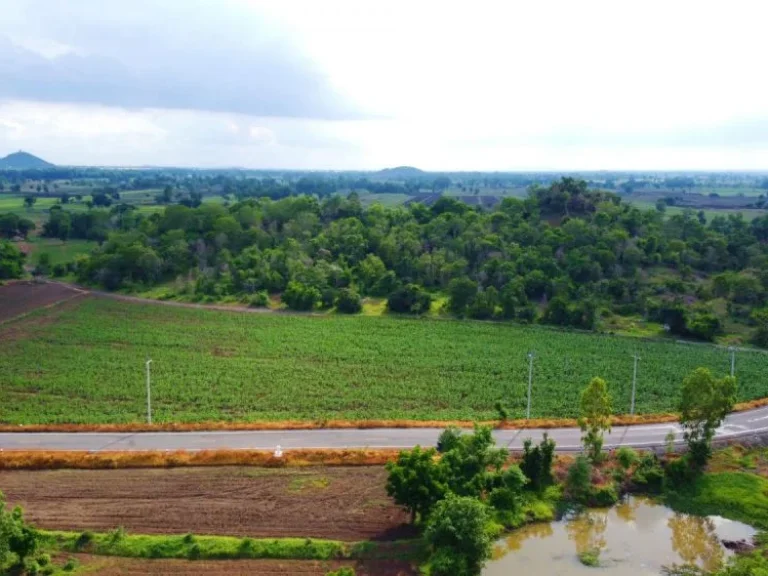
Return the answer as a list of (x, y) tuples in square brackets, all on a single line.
[(554, 84)]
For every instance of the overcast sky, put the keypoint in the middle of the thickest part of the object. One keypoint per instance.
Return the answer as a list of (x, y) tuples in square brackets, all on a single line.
[(508, 85)]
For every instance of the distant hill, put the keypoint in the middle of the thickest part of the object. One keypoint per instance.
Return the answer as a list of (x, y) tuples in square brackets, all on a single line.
[(23, 161), (401, 172)]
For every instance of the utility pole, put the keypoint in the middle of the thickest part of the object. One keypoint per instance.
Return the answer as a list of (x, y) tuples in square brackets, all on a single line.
[(732, 350), (149, 394), (634, 385), (530, 383)]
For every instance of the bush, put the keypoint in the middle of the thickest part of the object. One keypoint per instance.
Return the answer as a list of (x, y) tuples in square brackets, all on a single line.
[(681, 472), (649, 475), (298, 296), (259, 300), (626, 457), (83, 540), (537, 463), (458, 538), (578, 483), (411, 299), (44, 559), (448, 439), (349, 301), (604, 496), (70, 565)]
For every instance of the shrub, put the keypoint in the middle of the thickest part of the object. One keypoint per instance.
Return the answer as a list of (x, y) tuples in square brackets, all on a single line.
[(298, 296), (626, 457), (502, 412), (649, 475), (69, 565), (681, 472), (448, 439), (194, 552), (590, 558), (537, 463), (349, 301), (411, 299), (44, 559), (259, 300), (458, 537), (83, 540), (604, 496)]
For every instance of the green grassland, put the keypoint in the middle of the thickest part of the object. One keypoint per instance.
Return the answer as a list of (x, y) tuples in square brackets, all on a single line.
[(59, 252), (85, 364)]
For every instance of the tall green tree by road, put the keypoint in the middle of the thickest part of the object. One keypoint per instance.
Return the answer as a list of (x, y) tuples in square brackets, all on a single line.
[(704, 404), (595, 417)]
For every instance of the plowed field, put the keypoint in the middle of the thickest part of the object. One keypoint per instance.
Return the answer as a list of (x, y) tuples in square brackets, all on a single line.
[(23, 297), (136, 567), (334, 503)]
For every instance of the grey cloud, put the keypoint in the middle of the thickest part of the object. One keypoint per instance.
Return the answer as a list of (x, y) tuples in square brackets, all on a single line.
[(220, 57)]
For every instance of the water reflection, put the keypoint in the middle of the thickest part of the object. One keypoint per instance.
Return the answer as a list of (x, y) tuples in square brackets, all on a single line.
[(635, 538), (696, 542)]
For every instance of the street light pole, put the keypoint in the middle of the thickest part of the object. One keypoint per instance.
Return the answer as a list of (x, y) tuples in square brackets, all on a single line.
[(634, 385), (530, 383), (149, 395)]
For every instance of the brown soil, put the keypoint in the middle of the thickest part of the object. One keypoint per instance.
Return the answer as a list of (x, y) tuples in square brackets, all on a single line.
[(333, 503), (134, 567), (19, 298)]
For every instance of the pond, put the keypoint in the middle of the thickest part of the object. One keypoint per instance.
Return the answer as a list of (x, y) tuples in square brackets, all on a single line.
[(634, 538)]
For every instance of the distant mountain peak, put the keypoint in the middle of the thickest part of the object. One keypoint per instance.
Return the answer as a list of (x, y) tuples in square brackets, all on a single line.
[(23, 161), (401, 172)]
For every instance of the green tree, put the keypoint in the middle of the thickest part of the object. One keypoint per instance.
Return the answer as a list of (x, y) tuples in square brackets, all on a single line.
[(461, 294), (760, 320), (29, 201), (16, 537), (537, 463), (458, 538), (348, 301), (298, 296), (416, 481), (11, 261), (578, 482), (411, 299), (704, 403), (473, 463), (594, 417)]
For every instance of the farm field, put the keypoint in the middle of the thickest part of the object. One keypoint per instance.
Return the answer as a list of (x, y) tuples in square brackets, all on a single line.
[(104, 566), (348, 504), (23, 297), (84, 363)]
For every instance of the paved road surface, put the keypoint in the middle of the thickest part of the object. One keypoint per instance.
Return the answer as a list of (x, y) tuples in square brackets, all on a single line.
[(737, 425)]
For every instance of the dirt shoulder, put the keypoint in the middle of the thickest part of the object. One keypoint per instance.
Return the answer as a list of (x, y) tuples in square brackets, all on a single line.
[(331, 503)]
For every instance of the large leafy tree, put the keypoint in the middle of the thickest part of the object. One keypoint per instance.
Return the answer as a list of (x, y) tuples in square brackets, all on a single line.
[(704, 403), (11, 261)]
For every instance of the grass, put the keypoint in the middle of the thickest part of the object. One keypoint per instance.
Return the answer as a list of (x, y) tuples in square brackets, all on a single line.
[(193, 547), (736, 495), (59, 252), (85, 364)]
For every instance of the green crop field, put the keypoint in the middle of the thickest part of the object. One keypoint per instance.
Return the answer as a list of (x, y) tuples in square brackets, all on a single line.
[(85, 364)]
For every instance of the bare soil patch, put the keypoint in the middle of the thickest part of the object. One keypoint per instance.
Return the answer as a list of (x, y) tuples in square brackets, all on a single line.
[(333, 503), (19, 298), (135, 567)]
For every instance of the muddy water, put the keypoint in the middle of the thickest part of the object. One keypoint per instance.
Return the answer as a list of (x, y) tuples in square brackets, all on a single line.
[(634, 538)]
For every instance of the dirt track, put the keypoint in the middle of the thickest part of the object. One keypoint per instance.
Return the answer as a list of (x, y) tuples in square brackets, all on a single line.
[(19, 298), (135, 567), (336, 503)]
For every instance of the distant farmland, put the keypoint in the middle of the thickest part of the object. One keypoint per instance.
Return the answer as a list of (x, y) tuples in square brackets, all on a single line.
[(84, 363)]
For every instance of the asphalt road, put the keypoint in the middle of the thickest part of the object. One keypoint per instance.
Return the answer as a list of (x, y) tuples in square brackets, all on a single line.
[(737, 425)]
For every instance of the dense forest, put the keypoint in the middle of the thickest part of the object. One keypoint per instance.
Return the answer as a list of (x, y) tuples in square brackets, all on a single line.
[(566, 255)]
